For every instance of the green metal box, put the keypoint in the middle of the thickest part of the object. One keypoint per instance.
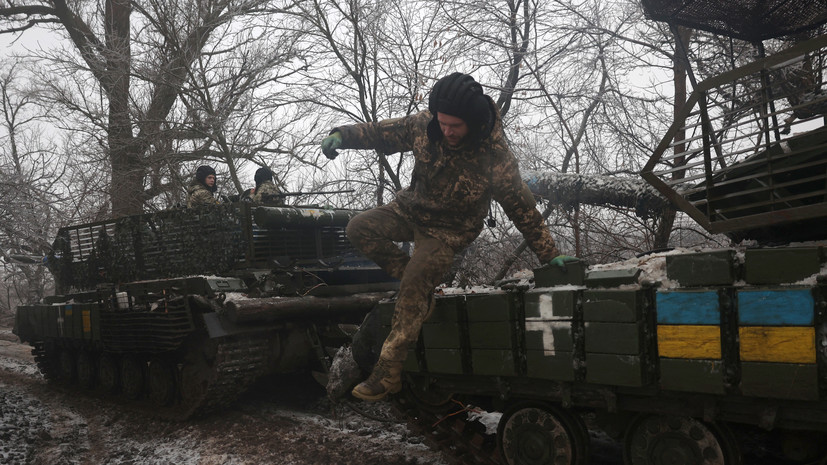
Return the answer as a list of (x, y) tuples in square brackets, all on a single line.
[(612, 305), (384, 310), (441, 335), (782, 265), (779, 380), (490, 307), (411, 363), (692, 375), (448, 361), (551, 275), (615, 370), (96, 321), (46, 320), (493, 362), (491, 334), (446, 310), (612, 278), (546, 364), (550, 305), (77, 321), (702, 269), (549, 335), (614, 338), (66, 322)]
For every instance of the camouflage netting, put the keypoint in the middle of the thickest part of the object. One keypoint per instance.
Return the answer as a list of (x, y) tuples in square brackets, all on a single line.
[(750, 20), (160, 245)]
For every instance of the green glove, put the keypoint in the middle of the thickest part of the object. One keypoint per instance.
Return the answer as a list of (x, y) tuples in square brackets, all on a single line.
[(330, 144), (561, 261)]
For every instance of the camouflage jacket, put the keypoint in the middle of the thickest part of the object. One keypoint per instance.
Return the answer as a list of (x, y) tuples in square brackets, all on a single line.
[(451, 187), (268, 192), (198, 195)]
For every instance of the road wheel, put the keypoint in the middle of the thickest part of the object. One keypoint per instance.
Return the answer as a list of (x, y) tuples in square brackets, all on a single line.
[(161, 382), (66, 366), (675, 440), (428, 398), (536, 433), (109, 373), (86, 369), (132, 377)]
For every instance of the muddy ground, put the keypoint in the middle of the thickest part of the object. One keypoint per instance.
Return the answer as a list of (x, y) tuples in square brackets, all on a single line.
[(282, 420)]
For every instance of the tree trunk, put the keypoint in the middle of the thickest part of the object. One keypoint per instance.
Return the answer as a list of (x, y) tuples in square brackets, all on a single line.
[(679, 62), (127, 170)]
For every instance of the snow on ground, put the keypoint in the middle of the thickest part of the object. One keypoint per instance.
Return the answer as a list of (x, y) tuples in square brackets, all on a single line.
[(288, 421)]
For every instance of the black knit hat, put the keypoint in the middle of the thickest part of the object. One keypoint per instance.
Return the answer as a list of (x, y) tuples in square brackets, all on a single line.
[(460, 95), (263, 174), (203, 171), (201, 176)]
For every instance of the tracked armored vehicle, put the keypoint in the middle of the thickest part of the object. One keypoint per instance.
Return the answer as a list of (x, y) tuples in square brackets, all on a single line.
[(688, 357), (183, 309)]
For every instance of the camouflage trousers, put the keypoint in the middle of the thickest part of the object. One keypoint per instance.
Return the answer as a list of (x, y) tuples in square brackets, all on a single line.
[(374, 232)]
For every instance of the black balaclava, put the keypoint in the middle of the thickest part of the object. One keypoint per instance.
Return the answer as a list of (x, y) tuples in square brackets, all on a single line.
[(460, 95), (263, 174), (201, 176)]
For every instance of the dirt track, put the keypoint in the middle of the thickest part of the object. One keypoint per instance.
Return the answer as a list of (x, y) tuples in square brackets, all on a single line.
[(284, 421)]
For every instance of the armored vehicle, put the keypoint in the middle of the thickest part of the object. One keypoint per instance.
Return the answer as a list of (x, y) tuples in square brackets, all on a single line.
[(689, 357), (183, 309)]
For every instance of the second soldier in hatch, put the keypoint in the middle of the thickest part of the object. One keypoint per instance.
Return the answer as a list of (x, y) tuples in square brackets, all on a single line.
[(462, 161), (266, 190)]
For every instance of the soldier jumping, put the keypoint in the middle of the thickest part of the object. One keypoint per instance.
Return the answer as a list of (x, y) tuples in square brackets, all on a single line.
[(462, 162)]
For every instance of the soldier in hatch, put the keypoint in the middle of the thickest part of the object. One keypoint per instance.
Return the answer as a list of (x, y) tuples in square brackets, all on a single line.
[(266, 190), (201, 190), (462, 161)]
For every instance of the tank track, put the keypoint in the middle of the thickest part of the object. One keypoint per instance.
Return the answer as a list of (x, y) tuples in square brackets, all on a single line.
[(461, 442), (42, 361), (237, 364)]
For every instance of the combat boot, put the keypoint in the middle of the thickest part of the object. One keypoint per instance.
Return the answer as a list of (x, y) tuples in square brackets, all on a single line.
[(385, 379)]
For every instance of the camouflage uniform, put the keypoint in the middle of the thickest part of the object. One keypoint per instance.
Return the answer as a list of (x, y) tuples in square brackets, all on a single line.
[(268, 192), (441, 212), (198, 195)]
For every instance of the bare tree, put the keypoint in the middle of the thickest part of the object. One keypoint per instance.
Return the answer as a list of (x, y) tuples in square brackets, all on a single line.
[(33, 176), (135, 57)]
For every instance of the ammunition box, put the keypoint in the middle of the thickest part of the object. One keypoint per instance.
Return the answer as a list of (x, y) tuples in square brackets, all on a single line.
[(702, 269), (612, 278), (549, 336), (492, 307), (491, 334), (448, 361), (690, 341), (616, 370), (688, 307), (550, 364), (764, 307), (493, 362), (550, 305), (705, 376), (411, 363), (614, 338), (779, 380), (385, 312), (787, 344), (445, 311), (612, 305), (783, 265), (441, 336), (551, 275)]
